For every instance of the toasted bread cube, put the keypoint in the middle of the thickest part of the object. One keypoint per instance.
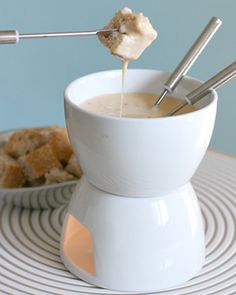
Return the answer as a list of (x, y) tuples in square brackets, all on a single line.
[(73, 167), (58, 175), (23, 142), (11, 174), (40, 161), (35, 182), (60, 144), (46, 131)]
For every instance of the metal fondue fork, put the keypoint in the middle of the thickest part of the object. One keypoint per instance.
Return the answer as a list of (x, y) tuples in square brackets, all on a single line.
[(216, 81), (190, 57), (13, 36)]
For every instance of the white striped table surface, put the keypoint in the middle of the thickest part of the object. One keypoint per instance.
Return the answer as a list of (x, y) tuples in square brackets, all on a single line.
[(29, 242)]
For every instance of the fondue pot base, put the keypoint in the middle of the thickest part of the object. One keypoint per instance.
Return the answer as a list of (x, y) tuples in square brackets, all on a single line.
[(133, 244)]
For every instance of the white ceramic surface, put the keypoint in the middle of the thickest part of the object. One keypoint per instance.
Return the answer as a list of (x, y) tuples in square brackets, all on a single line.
[(29, 243), (136, 202), (137, 157), (142, 244)]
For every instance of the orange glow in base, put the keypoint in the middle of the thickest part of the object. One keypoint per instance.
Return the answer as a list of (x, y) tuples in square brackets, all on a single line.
[(77, 245)]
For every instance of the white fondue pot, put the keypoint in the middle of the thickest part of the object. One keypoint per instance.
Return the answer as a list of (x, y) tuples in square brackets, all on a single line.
[(134, 222)]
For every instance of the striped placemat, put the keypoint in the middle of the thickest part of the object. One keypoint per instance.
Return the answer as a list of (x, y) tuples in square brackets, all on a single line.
[(29, 242)]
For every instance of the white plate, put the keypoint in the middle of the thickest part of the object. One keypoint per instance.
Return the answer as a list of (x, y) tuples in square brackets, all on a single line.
[(40, 197), (29, 242)]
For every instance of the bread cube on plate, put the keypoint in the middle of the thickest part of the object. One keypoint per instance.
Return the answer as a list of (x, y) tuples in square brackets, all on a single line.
[(11, 174), (39, 161), (23, 142)]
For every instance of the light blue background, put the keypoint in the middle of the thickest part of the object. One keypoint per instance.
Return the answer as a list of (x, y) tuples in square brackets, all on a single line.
[(34, 73)]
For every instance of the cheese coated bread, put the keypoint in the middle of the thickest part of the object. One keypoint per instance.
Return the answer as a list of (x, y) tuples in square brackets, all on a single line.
[(134, 34)]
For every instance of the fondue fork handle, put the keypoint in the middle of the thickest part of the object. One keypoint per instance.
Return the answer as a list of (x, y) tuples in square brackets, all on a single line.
[(13, 36), (216, 81), (190, 57)]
